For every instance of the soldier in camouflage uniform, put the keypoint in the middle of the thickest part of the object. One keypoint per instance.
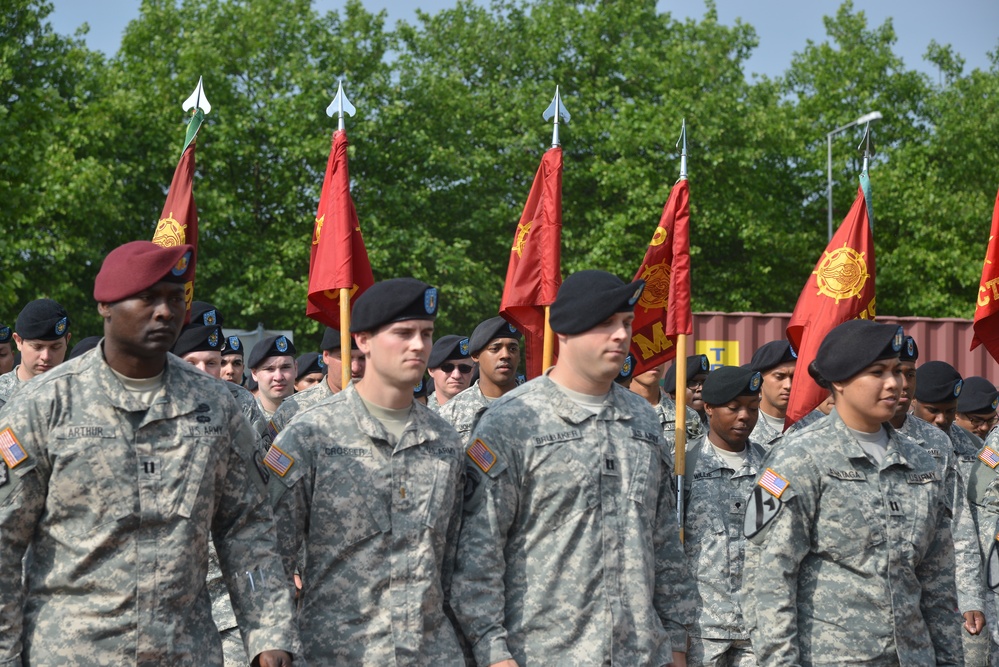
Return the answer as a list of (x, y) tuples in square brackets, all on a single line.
[(495, 347), (272, 365), (976, 406), (371, 483), (450, 367), (938, 386), (569, 552), (648, 386), (42, 335), (721, 469), (115, 468), (851, 558), (698, 368), (971, 594)]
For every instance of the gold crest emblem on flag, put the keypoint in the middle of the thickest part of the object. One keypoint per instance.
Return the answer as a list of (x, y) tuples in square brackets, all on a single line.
[(169, 232), (841, 274)]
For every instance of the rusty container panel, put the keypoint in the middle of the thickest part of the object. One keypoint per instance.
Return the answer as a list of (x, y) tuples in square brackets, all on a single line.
[(731, 338)]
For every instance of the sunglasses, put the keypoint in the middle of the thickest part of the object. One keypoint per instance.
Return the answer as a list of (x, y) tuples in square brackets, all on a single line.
[(448, 368)]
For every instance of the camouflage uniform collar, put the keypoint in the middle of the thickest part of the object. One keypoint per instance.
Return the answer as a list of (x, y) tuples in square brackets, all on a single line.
[(709, 460), (176, 399), (615, 407), (894, 454), (419, 430)]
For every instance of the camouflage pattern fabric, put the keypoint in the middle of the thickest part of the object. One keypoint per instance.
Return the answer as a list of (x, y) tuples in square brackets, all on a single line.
[(380, 525), (116, 502), (666, 411), (853, 562), (461, 410), (432, 403), (296, 403), (713, 537), (766, 437), (9, 383), (569, 552)]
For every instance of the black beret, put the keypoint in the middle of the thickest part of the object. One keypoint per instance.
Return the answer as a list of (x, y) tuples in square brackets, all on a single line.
[(5, 334), (724, 384), (587, 298), (422, 389), (42, 319), (251, 384), (198, 338), (138, 265), (393, 300), (978, 396), (909, 351), (853, 346), (84, 345), (205, 314), (448, 347), (696, 363), (331, 340), (627, 370), (772, 354), (491, 329), (272, 346), (937, 382), (232, 345), (310, 362)]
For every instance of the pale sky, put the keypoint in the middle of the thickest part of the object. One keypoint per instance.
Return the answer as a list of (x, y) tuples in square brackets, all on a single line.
[(783, 26)]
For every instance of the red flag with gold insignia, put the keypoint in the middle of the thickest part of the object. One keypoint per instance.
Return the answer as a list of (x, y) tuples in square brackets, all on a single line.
[(178, 223), (986, 324), (535, 270), (841, 288), (339, 259), (663, 311)]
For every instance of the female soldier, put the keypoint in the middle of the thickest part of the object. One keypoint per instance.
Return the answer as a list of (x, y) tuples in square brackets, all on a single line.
[(854, 558)]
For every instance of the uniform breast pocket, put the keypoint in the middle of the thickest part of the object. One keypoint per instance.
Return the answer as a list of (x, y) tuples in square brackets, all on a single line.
[(200, 463), (83, 492), (346, 511), (440, 500), (846, 525), (561, 486)]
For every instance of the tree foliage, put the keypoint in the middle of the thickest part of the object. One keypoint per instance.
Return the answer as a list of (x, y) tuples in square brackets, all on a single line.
[(448, 136)]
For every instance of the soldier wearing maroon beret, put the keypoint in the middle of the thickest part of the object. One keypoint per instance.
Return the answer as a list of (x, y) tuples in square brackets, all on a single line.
[(117, 469)]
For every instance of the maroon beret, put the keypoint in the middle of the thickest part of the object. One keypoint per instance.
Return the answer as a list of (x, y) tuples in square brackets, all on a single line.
[(135, 266)]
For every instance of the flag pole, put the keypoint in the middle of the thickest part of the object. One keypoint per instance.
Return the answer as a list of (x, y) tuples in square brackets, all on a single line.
[(865, 181), (681, 377), (339, 106), (557, 110)]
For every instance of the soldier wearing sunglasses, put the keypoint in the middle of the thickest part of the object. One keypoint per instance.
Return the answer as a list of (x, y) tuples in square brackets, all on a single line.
[(450, 368)]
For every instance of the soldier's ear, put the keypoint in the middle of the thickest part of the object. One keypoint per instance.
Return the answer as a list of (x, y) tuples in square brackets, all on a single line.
[(104, 310)]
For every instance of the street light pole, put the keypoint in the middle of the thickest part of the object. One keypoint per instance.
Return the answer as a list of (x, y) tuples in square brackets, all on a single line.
[(866, 118)]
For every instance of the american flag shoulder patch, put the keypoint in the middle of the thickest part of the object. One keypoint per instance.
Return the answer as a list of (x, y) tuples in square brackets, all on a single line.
[(480, 453), (11, 450), (278, 461), (774, 484), (989, 457)]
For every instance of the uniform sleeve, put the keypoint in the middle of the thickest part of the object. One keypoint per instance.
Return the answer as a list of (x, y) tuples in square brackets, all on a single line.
[(478, 589), (245, 538), (22, 501), (968, 556), (453, 531), (773, 563), (291, 498), (938, 599), (674, 598)]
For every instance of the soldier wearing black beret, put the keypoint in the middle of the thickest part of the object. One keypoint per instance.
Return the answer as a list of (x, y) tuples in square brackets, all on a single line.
[(721, 467), (372, 451), (938, 386), (698, 368), (201, 346), (451, 368), (232, 360), (6, 350), (42, 335), (494, 348), (311, 371), (976, 406), (272, 366), (775, 361)]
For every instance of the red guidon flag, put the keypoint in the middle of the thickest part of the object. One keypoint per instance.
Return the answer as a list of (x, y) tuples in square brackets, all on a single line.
[(840, 288), (987, 308), (339, 259), (663, 311), (179, 221), (535, 272)]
